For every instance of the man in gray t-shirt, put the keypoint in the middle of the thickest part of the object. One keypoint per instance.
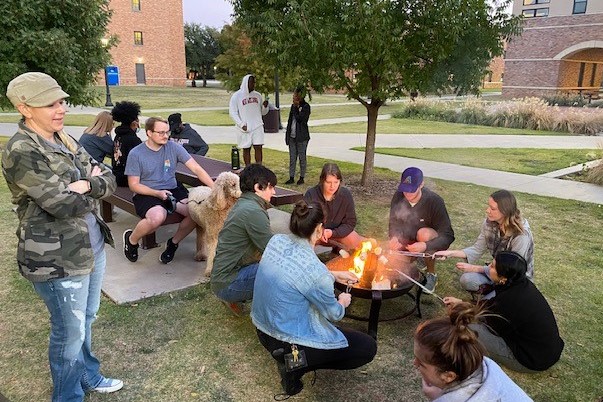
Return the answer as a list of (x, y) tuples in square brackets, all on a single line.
[(151, 171)]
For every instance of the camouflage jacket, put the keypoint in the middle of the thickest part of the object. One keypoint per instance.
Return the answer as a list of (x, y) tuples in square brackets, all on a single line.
[(52, 231)]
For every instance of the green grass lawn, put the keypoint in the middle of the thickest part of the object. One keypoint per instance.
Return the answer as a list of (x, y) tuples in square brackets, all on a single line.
[(415, 126), (516, 160), (187, 347)]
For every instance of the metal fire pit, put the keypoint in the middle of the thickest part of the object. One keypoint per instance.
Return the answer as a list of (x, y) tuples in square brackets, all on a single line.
[(400, 286)]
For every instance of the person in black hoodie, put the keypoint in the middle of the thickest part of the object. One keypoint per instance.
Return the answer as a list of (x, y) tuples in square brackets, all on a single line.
[(521, 331), (126, 139), (297, 135), (185, 135)]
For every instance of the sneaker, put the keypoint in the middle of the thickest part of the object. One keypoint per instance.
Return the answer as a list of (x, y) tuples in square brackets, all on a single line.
[(130, 250), (301, 181), (431, 281), (170, 250), (289, 381), (290, 181), (236, 308), (108, 385)]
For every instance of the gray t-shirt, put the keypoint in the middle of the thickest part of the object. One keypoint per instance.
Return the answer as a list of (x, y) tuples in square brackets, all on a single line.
[(156, 169)]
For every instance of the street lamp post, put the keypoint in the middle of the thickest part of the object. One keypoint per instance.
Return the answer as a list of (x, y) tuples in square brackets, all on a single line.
[(108, 103), (276, 98), (108, 91)]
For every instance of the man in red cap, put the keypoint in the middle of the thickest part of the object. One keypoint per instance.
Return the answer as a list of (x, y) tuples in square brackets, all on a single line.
[(419, 221)]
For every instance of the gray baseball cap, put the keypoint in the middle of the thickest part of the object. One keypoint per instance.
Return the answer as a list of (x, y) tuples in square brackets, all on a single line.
[(35, 90)]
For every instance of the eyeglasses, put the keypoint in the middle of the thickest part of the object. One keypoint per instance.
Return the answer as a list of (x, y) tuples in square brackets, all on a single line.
[(162, 132)]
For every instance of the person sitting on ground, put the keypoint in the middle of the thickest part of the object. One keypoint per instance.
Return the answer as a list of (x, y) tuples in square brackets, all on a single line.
[(339, 207), (504, 229), (185, 135), (521, 332), (151, 171), (297, 135), (243, 238), (96, 139), (451, 361), (294, 303), (125, 138), (419, 221)]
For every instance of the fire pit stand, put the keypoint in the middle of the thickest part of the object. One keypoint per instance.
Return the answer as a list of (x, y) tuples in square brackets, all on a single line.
[(376, 297)]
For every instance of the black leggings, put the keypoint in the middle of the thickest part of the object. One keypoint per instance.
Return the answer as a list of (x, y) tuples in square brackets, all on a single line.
[(360, 351)]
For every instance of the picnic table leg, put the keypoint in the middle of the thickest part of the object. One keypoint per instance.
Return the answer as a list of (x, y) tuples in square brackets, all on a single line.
[(149, 241), (106, 211)]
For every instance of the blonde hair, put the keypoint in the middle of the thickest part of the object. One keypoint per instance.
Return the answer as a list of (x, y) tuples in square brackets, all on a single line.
[(67, 141), (103, 124)]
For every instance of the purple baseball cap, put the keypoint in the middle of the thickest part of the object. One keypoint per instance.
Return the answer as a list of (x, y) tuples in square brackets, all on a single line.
[(412, 178)]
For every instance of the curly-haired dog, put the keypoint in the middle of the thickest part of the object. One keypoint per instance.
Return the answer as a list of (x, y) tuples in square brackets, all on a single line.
[(209, 208)]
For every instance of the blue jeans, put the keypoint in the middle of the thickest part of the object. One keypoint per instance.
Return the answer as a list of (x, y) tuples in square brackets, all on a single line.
[(73, 303), (241, 288)]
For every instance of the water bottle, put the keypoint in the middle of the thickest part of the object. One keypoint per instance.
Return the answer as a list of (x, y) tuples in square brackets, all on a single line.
[(234, 158)]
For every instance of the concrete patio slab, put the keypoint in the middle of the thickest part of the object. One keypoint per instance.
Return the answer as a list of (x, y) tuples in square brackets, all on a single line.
[(127, 282)]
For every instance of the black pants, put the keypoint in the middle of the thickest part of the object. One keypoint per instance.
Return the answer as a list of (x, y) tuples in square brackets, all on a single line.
[(360, 351)]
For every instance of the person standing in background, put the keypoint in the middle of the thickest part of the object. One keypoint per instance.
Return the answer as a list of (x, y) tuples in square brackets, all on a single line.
[(297, 135), (246, 109)]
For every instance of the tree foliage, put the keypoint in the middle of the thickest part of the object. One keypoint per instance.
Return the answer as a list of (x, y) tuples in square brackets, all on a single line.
[(377, 50), (202, 46), (240, 57), (60, 38)]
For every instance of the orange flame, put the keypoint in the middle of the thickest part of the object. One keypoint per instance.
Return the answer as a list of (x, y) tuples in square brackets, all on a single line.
[(360, 258)]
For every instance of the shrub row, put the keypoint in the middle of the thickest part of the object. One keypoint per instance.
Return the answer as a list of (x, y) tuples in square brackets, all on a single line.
[(526, 113)]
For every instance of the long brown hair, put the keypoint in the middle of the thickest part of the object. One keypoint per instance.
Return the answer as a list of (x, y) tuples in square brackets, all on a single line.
[(512, 224), (102, 125), (451, 344)]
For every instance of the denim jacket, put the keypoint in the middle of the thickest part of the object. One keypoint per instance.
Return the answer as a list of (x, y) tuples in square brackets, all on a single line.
[(293, 296)]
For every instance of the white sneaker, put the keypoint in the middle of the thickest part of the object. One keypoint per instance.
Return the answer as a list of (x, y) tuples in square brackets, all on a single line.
[(108, 385)]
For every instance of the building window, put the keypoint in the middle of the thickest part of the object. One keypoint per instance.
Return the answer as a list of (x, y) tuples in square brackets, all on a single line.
[(579, 6), (533, 2), (138, 38), (536, 12), (135, 5)]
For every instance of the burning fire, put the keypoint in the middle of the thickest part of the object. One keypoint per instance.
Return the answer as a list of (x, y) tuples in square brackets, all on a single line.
[(360, 258)]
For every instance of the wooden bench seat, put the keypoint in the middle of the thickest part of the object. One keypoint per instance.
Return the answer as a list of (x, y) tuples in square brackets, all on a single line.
[(122, 198)]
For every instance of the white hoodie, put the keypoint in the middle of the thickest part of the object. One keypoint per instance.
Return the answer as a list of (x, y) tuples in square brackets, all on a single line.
[(246, 108)]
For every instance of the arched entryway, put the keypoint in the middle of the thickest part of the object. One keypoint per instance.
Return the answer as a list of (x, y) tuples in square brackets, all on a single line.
[(581, 68)]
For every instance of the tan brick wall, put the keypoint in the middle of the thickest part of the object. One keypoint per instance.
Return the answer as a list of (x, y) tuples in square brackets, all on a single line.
[(162, 52), (530, 68)]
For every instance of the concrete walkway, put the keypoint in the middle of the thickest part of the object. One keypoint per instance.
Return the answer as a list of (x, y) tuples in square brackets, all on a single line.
[(337, 147)]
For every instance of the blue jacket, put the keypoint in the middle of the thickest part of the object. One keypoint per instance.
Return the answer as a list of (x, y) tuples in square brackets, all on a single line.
[(293, 296)]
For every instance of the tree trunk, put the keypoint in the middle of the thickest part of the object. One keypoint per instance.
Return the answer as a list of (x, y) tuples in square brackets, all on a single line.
[(205, 77), (371, 133)]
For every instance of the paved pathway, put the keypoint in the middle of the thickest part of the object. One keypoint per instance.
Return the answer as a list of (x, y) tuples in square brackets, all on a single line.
[(336, 147)]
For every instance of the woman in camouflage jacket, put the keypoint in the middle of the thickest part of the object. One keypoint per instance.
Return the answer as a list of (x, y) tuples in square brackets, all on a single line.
[(55, 184)]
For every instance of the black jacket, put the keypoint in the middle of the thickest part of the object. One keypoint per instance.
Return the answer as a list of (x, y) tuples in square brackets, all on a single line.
[(190, 139), (301, 113), (125, 140)]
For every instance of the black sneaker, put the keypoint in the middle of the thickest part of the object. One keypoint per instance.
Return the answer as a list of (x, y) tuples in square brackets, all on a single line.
[(130, 250), (290, 181), (170, 250), (291, 384), (301, 181)]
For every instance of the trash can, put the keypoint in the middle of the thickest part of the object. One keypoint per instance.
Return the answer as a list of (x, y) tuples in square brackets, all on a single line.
[(112, 74), (271, 119)]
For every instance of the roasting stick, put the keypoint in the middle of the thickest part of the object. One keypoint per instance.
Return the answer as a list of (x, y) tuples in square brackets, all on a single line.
[(430, 292), (418, 255)]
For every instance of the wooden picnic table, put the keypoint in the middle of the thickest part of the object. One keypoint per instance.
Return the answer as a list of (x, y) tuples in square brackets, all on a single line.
[(214, 167)]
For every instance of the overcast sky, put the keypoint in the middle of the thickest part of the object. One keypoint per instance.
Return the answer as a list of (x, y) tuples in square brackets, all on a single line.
[(214, 13)]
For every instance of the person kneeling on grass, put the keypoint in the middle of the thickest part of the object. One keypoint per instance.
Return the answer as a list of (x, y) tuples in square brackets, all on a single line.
[(294, 303), (243, 238), (521, 332), (451, 361), (151, 171)]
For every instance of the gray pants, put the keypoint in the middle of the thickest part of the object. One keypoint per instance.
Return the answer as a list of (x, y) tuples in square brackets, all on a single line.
[(497, 349), (297, 150), (471, 281)]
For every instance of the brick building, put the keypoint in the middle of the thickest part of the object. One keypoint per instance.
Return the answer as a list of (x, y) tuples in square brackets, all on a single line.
[(151, 42), (559, 51)]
